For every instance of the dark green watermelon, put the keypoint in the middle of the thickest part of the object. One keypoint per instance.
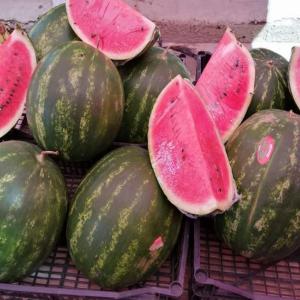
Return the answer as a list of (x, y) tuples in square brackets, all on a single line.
[(121, 227), (33, 207), (271, 84), (75, 102), (144, 78), (51, 30), (265, 159)]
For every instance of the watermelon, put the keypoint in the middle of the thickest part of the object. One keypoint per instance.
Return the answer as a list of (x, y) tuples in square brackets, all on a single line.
[(121, 227), (294, 74), (33, 207), (143, 80), (113, 27), (75, 102), (271, 84), (265, 159), (51, 30), (227, 83), (17, 63), (184, 145)]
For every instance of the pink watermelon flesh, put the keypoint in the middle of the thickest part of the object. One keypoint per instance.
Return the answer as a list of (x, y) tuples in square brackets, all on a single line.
[(17, 64), (294, 75), (227, 83), (186, 152), (113, 27)]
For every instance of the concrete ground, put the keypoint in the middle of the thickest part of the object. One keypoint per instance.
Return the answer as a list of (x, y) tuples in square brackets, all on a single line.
[(199, 23)]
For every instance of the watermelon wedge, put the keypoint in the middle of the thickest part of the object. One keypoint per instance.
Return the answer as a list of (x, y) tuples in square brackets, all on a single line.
[(186, 152), (227, 84), (294, 75), (17, 64), (113, 27)]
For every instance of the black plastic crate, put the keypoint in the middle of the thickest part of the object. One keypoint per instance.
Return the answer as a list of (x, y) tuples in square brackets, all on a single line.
[(221, 274)]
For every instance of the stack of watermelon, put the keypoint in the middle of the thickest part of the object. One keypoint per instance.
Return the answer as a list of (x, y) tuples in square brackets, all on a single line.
[(100, 79)]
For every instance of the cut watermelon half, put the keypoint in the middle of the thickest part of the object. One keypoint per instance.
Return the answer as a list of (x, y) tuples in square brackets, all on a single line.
[(113, 27), (294, 75), (186, 152), (227, 84), (17, 64)]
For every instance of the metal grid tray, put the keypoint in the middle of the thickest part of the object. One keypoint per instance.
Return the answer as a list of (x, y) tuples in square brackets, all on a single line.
[(220, 274), (58, 277)]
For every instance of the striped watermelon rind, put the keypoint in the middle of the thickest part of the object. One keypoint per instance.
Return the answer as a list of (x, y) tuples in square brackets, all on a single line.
[(75, 102), (265, 160), (51, 30), (121, 227), (33, 207), (271, 84), (143, 80)]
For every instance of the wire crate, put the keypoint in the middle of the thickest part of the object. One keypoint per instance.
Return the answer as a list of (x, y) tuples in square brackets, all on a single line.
[(221, 274)]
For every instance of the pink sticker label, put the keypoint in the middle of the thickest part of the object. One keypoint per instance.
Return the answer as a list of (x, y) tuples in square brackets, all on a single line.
[(157, 244), (265, 149)]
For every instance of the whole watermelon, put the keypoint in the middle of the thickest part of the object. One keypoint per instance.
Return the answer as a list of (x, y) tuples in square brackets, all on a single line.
[(265, 159), (144, 79), (271, 84), (33, 207), (75, 102), (121, 227), (51, 30)]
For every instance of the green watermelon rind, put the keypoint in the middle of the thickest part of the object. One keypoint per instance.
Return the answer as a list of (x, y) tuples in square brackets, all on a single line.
[(33, 207), (51, 30), (271, 84), (264, 224), (143, 80), (118, 212), (75, 102)]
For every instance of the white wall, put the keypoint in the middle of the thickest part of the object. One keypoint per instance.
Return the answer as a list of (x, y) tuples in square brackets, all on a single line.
[(200, 22)]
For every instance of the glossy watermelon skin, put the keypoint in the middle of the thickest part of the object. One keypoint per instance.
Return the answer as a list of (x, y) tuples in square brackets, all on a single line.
[(265, 160), (75, 102), (33, 207), (271, 84), (143, 80), (51, 30), (121, 227)]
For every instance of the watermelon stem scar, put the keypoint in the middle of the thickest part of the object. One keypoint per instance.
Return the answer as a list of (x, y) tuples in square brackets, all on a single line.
[(40, 157)]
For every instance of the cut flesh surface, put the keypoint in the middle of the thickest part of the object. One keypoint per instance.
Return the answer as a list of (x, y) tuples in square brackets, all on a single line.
[(17, 64), (113, 27), (294, 75), (186, 152), (227, 84)]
